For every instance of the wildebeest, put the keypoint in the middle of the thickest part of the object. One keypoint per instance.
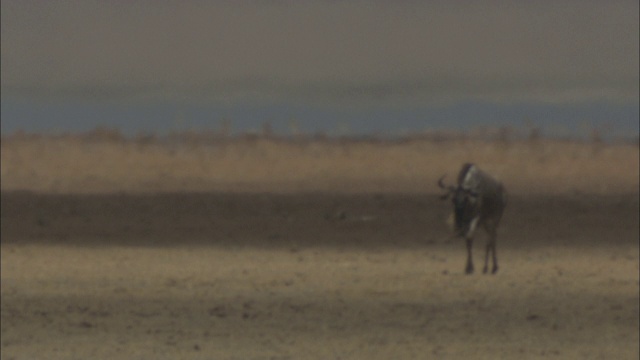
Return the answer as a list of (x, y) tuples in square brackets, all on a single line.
[(478, 200)]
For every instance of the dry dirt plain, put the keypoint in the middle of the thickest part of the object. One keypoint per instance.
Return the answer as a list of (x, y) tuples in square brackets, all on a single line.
[(313, 276), (260, 249)]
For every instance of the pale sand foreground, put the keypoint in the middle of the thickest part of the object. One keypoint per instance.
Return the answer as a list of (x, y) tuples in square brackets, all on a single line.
[(129, 303), (317, 276)]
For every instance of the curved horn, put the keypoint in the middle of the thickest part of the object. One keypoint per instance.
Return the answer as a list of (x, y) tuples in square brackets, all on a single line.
[(442, 185), (450, 189)]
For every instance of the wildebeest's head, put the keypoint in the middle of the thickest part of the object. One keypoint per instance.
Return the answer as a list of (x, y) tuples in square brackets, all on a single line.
[(465, 206)]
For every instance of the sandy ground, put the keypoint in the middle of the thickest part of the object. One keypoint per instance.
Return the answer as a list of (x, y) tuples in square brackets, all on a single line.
[(313, 276)]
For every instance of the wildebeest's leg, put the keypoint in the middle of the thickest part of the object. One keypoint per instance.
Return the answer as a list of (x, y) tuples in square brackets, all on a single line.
[(495, 257), (469, 269), (469, 238), (491, 247), (486, 257)]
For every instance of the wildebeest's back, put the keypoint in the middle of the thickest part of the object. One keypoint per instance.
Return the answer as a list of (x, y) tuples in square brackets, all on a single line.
[(494, 198)]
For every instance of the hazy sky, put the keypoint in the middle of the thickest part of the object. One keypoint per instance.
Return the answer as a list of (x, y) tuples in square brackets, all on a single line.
[(354, 54)]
